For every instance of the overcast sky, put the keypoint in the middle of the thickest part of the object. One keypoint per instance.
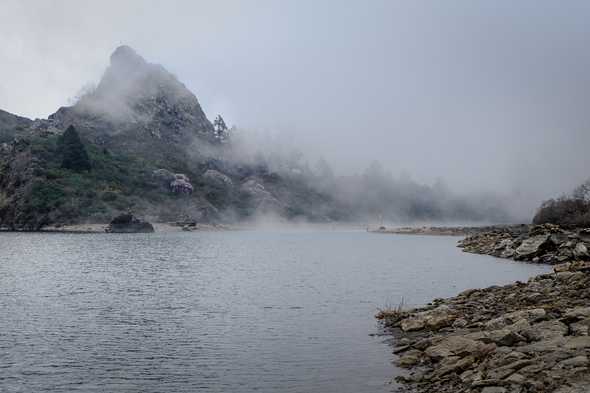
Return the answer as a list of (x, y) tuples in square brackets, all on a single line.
[(488, 95)]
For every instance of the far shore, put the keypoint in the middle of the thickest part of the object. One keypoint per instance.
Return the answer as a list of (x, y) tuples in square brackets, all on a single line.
[(449, 230), (101, 228), (443, 230)]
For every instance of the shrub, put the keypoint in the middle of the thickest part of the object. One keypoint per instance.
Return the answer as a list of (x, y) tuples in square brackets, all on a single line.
[(74, 155), (45, 197), (109, 196), (565, 211)]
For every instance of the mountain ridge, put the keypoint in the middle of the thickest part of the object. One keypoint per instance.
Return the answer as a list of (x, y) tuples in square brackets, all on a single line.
[(136, 95)]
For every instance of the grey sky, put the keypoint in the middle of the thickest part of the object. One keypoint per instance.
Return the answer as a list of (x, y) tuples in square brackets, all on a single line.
[(487, 95)]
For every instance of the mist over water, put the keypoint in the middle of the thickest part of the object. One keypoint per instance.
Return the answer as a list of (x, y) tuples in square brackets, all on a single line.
[(244, 311), (488, 97)]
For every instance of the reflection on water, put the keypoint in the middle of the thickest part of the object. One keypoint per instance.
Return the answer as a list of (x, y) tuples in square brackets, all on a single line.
[(263, 311)]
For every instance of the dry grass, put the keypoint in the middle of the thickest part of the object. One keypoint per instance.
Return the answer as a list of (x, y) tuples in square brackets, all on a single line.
[(389, 312)]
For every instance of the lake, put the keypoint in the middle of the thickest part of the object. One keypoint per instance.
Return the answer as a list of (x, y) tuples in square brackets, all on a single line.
[(237, 311)]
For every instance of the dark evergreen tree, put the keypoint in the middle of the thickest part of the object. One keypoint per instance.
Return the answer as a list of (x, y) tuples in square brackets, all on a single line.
[(221, 130), (73, 152)]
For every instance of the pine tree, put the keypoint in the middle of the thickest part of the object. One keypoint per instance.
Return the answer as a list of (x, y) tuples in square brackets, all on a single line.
[(73, 152), (221, 130)]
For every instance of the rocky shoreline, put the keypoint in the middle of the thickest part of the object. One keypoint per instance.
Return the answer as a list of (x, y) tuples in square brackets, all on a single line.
[(523, 337), (446, 230), (546, 243), (518, 338)]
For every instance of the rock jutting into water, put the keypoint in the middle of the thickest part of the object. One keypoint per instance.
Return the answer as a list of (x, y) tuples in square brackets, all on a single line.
[(538, 243), (447, 231), (523, 337), (127, 223)]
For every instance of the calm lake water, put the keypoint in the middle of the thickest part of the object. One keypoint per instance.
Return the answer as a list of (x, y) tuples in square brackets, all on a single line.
[(248, 311)]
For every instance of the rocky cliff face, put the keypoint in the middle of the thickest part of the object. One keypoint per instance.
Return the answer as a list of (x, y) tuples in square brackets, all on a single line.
[(134, 102)]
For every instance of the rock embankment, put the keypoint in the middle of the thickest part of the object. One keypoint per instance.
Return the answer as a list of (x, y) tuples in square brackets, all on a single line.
[(128, 223), (518, 338), (447, 231), (538, 243)]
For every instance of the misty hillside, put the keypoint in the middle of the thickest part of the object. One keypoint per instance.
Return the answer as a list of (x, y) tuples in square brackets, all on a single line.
[(152, 150), (11, 125), (148, 147)]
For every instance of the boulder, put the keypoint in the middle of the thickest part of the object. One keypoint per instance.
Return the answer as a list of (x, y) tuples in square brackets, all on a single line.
[(503, 244), (576, 313), (580, 251), (576, 361), (431, 319), (504, 337), (580, 328), (533, 246), (507, 253), (546, 330), (578, 266), (127, 223), (504, 371), (409, 359), (530, 315), (578, 342), (458, 346), (217, 178), (163, 176)]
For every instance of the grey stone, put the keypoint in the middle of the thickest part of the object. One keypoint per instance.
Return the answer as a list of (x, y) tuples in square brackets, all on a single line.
[(409, 358), (529, 315), (433, 319), (580, 342), (576, 313), (580, 251), (217, 178), (578, 361), (532, 246), (458, 346)]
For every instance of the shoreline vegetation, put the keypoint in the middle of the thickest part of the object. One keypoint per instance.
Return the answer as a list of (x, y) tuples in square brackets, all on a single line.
[(517, 338)]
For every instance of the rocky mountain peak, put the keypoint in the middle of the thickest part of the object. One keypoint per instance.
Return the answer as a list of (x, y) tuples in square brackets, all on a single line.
[(137, 96), (125, 55)]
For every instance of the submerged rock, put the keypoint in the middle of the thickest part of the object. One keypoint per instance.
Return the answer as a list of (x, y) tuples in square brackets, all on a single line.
[(127, 223)]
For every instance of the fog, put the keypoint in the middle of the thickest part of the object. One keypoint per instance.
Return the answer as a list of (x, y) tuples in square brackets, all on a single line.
[(488, 96)]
